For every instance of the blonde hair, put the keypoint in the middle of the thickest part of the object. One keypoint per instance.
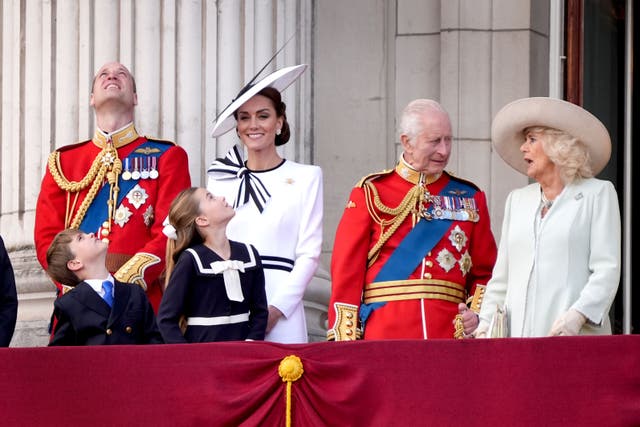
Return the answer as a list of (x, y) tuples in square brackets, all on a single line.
[(183, 212), (59, 254), (568, 153)]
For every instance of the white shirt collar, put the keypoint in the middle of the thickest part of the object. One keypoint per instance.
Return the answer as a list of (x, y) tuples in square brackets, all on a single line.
[(96, 284)]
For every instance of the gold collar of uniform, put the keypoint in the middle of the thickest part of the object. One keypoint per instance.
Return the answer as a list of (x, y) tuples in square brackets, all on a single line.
[(413, 176), (120, 138)]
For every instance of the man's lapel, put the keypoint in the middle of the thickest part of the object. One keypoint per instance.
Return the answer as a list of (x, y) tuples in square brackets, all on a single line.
[(90, 298)]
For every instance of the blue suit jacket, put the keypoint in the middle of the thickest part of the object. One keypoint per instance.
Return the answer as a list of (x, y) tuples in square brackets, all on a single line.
[(84, 318)]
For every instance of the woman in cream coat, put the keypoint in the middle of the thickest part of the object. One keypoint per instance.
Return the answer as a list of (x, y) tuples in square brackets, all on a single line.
[(558, 264)]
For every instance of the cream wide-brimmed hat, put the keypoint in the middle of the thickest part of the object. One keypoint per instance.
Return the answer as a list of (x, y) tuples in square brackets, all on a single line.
[(279, 80), (510, 122)]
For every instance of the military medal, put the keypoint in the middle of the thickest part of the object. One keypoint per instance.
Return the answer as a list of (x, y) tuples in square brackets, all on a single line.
[(126, 175), (446, 260), (465, 263), (148, 216), (153, 173), (122, 215), (137, 196), (136, 169), (145, 168), (458, 238)]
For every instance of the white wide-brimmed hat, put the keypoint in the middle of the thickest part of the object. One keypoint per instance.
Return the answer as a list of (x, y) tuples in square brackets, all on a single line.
[(279, 80), (510, 122)]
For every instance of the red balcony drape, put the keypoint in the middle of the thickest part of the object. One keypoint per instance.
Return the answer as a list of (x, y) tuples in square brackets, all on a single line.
[(546, 381)]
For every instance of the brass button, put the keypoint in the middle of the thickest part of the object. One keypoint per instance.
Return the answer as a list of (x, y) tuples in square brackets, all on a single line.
[(349, 323), (109, 331), (349, 315), (128, 329), (349, 332), (427, 275), (429, 263)]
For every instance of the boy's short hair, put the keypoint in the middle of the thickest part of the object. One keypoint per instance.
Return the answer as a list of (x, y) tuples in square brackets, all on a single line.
[(58, 255)]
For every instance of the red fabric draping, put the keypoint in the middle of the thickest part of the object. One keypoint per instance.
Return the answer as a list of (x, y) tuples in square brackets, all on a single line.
[(546, 381)]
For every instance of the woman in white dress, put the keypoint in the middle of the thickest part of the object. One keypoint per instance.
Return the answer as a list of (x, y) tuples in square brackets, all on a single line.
[(278, 202), (558, 264)]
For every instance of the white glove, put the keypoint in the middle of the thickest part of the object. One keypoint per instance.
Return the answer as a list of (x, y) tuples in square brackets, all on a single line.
[(568, 324)]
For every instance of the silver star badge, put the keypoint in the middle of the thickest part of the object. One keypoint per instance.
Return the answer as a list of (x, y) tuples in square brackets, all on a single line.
[(137, 196), (122, 215), (457, 238)]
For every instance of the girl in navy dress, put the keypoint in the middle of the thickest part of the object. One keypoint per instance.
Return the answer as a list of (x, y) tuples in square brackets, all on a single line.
[(215, 286)]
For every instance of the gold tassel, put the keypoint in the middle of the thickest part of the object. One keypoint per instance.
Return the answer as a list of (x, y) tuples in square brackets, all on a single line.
[(290, 370)]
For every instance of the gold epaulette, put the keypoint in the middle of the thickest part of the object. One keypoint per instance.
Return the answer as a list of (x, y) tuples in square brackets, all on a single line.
[(373, 176), (346, 325), (133, 270), (475, 301)]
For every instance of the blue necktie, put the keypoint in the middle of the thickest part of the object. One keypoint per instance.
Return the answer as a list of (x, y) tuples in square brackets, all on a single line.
[(107, 287)]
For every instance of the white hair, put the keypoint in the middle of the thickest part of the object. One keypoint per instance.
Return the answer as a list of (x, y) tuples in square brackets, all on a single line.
[(411, 118)]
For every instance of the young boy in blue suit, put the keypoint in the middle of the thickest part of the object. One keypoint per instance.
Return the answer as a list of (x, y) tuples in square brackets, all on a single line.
[(98, 310)]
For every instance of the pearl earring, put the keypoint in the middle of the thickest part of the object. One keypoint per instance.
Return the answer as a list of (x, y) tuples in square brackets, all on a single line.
[(278, 132)]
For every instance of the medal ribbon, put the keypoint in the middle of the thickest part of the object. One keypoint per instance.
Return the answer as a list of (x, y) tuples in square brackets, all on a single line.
[(96, 213)]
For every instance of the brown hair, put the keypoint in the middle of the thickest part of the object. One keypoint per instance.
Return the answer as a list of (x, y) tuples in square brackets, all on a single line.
[(59, 254), (183, 212)]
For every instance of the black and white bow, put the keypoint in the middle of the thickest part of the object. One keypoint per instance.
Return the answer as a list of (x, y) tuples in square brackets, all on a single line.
[(232, 166)]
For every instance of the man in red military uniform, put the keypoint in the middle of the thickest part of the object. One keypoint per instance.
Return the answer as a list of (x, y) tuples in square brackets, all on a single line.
[(414, 244), (118, 185)]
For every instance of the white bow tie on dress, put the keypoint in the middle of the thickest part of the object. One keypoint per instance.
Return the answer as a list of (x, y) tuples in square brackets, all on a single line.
[(232, 166), (229, 270)]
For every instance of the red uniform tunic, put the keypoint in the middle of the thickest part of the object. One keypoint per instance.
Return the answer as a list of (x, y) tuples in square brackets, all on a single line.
[(425, 304), (137, 228)]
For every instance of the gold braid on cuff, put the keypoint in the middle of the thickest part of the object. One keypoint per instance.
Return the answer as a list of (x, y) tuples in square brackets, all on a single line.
[(476, 300), (475, 303), (133, 270), (346, 325)]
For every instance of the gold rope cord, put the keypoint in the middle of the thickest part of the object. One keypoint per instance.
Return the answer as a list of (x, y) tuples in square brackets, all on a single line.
[(408, 205), (106, 164), (290, 370), (459, 327), (73, 186)]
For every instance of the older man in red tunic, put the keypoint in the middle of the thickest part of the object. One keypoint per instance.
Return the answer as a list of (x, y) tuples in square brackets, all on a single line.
[(414, 244), (118, 185)]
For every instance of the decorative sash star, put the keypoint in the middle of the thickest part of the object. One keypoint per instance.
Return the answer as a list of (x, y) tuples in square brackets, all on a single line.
[(137, 196)]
